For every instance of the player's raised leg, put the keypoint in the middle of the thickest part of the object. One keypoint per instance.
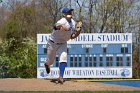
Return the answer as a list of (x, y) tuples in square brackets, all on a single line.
[(51, 53)]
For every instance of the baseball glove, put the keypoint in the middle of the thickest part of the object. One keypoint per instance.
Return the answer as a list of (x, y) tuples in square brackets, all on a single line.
[(77, 31), (78, 26)]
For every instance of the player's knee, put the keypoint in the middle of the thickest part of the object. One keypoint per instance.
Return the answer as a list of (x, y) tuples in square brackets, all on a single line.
[(63, 57)]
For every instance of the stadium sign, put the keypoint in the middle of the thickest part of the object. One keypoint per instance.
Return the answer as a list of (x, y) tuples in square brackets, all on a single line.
[(98, 55)]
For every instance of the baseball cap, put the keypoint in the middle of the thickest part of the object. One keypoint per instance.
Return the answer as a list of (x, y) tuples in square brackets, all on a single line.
[(66, 10)]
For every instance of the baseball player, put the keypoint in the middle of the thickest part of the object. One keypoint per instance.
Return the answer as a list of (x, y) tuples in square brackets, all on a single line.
[(63, 30)]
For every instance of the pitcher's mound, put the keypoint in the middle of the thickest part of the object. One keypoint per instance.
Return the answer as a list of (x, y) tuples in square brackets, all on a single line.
[(17, 84)]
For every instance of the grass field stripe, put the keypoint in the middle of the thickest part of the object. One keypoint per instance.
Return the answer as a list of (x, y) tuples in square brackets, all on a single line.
[(107, 80)]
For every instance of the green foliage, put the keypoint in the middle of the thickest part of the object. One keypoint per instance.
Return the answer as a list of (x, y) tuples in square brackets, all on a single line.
[(18, 51), (135, 60), (19, 61), (4, 66), (10, 29)]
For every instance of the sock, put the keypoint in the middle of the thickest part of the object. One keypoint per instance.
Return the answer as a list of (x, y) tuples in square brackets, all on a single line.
[(62, 68)]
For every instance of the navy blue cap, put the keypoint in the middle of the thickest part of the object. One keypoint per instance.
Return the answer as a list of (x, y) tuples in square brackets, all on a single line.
[(66, 10)]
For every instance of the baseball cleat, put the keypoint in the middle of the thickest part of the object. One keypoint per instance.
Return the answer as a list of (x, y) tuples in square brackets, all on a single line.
[(57, 81), (47, 68), (61, 81)]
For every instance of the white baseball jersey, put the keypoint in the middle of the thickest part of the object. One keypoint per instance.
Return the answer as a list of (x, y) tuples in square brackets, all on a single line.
[(61, 36)]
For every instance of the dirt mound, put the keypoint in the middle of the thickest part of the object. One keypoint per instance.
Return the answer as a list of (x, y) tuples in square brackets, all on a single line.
[(18, 84)]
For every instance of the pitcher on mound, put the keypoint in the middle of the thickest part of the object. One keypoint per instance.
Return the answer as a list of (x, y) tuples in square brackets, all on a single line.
[(64, 29)]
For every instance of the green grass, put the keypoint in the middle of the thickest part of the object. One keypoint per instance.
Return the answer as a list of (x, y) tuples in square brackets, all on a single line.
[(69, 92), (104, 80)]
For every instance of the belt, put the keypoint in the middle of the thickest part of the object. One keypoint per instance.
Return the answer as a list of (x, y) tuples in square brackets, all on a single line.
[(55, 43)]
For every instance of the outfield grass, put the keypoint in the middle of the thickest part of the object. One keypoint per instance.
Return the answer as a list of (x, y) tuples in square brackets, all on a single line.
[(70, 92)]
